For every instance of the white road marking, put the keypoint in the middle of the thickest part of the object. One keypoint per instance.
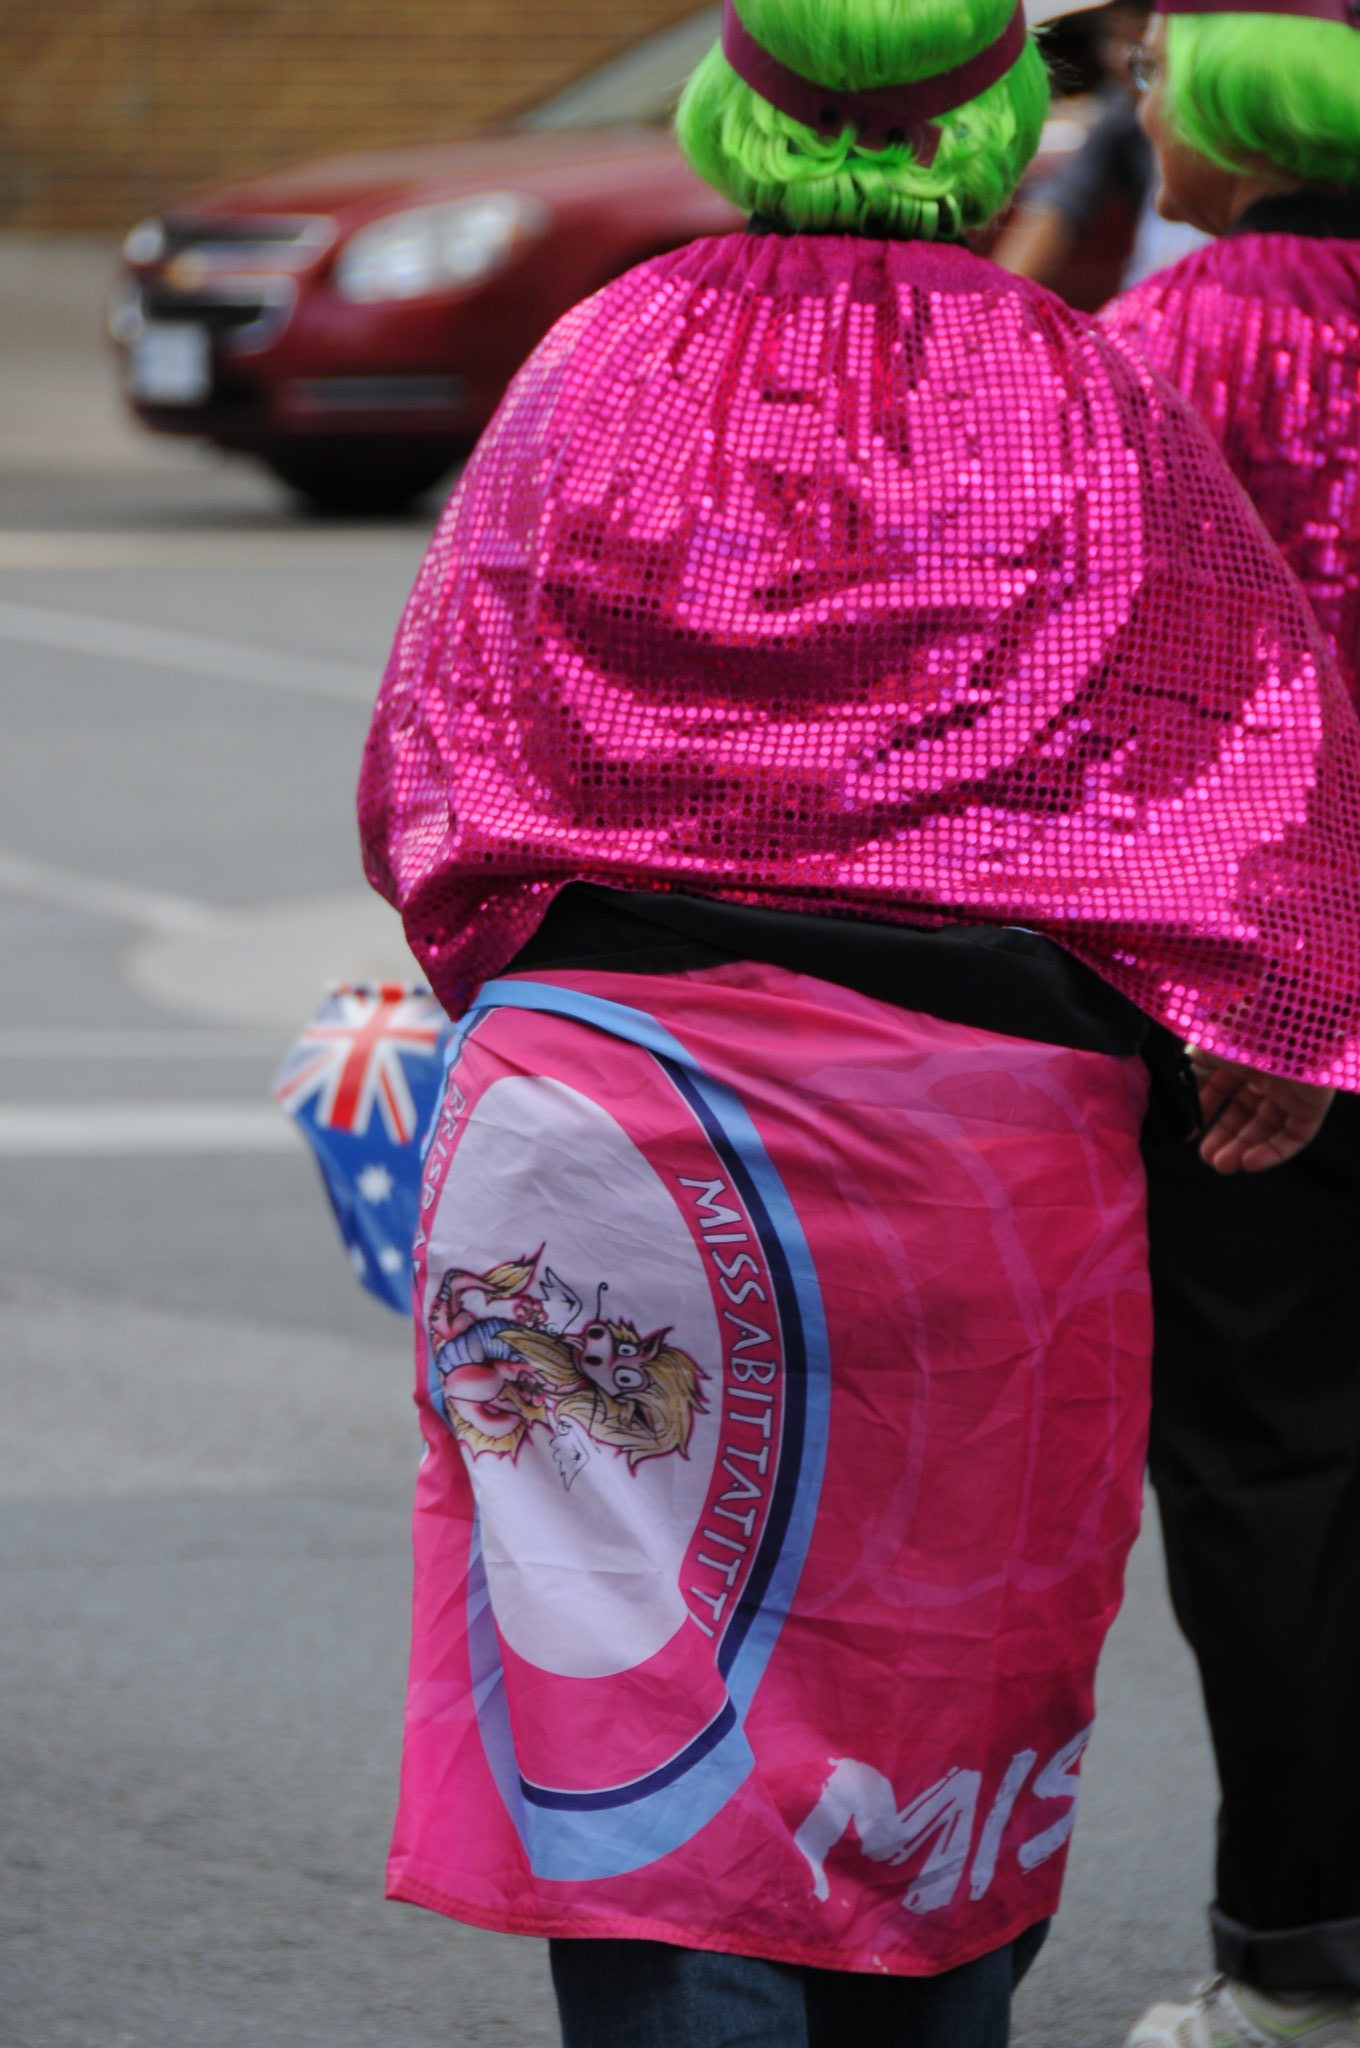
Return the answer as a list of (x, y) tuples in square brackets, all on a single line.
[(355, 548), (88, 894), (80, 1042), (187, 654), (110, 1130)]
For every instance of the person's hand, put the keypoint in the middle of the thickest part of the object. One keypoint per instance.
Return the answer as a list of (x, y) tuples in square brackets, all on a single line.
[(1255, 1120)]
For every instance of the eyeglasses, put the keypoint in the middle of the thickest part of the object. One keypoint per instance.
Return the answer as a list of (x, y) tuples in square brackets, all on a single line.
[(1144, 68)]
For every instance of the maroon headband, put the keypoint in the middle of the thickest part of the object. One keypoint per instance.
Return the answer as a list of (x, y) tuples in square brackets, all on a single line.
[(1345, 12), (885, 115)]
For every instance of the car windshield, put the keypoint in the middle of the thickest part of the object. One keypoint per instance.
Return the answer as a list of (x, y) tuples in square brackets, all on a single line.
[(641, 85)]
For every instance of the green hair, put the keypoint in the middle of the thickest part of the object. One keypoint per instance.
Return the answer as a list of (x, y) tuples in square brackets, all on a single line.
[(800, 180), (1243, 88)]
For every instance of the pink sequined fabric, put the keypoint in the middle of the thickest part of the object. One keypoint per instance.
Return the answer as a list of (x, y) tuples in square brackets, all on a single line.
[(860, 578), (1261, 333)]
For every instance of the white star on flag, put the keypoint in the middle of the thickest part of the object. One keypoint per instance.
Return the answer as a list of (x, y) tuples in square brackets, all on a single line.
[(376, 1183)]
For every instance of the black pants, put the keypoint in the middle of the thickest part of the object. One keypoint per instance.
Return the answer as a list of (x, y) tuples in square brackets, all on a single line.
[(1256, 1462)]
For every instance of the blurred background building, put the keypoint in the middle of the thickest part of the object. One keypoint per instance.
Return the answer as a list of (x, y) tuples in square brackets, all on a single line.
[(111, 108)]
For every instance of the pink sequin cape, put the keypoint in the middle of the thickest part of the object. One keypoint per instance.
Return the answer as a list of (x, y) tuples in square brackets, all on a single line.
[(1261, 334), (860, 578)]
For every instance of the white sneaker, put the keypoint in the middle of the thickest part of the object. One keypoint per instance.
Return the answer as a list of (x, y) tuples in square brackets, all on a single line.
[(1225, 2014)]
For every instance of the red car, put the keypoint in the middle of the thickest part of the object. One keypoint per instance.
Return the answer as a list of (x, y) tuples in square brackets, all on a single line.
[(353, 323)]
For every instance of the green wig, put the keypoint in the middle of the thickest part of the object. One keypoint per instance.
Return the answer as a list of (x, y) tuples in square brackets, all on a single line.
[(799, 180), (1248, 89)]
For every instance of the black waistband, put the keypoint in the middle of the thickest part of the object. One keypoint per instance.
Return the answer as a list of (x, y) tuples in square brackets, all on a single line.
[(996, 978)]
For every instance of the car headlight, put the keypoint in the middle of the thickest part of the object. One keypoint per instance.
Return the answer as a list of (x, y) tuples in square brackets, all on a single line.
[(437, 248), (146, 243)]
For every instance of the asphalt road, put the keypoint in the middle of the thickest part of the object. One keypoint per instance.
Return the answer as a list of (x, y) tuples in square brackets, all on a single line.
[(209, 1450)]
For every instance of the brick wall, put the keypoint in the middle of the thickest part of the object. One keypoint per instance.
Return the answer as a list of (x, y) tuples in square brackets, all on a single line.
[(109, 108)]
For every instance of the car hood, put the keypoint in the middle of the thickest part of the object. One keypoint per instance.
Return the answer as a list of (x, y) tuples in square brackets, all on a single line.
[(351, 189)]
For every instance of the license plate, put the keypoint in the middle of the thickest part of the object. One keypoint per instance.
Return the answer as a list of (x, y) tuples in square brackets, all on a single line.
[(171, 364)]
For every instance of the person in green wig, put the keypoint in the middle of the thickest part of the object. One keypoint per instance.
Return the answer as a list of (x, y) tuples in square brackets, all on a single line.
[(848, 731)]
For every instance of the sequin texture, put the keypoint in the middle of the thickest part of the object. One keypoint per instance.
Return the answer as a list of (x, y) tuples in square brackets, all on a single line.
[(859, 578), (1261, 333)]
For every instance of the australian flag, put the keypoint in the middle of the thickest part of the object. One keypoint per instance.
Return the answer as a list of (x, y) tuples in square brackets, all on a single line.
[(362, 1083)]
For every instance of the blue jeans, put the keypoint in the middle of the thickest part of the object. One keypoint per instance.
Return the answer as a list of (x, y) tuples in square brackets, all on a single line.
[(643, 1994)]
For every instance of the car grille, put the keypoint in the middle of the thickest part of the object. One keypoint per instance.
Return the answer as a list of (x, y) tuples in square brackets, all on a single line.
[(284, 242), (245, 317), (219, 316)]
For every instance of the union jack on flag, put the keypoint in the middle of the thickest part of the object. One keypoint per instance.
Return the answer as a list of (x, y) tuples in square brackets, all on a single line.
[(366, 1050), (350, 1058)]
